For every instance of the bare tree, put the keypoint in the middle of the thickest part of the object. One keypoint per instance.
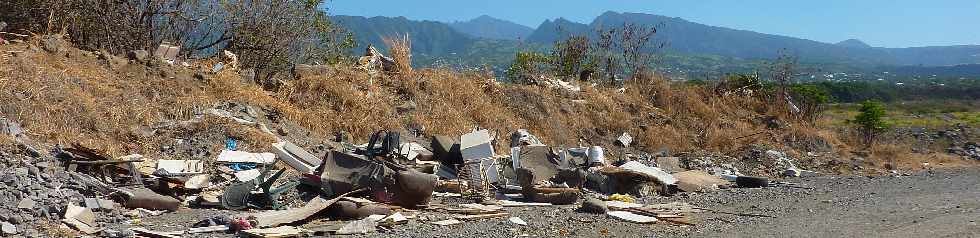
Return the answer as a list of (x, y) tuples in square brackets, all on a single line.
[(634, 40), (269, 35)]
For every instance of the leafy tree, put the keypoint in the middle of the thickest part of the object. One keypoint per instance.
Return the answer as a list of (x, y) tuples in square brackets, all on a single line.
[(526, 65), (869, 121), (268, 35), (812, 100), (569, 57)]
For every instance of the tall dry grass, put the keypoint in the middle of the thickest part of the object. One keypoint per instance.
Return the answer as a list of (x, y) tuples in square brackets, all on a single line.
[(400, 49)]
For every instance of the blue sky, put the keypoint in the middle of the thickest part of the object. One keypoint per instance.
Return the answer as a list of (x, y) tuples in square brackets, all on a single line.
[(885, 23)]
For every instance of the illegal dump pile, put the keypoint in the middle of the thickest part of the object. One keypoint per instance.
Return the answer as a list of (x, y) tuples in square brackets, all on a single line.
[(348, 189)]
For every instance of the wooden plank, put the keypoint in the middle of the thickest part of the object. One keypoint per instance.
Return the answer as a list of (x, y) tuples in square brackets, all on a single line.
[(153, 234), (207, 229), (482, 216), (277, 232)]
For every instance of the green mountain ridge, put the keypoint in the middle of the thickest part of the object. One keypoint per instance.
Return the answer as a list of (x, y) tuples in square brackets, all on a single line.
[(492, 28), (691, 48)]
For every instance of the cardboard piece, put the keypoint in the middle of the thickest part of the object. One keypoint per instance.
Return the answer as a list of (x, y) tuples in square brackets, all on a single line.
[(181, 167), (698, 181), (274, 218), (231, 156)]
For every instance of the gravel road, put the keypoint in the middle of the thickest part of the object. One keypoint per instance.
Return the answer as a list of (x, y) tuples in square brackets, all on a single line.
[(938, 203)]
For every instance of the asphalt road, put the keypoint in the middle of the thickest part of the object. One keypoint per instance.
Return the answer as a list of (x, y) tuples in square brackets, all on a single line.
[(927, 204)]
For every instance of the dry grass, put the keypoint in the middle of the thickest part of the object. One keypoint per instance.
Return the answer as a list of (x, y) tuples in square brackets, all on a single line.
[(400, 48), (67, 99)]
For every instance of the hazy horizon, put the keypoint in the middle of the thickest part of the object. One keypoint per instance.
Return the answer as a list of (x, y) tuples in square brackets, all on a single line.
[(880, 23)]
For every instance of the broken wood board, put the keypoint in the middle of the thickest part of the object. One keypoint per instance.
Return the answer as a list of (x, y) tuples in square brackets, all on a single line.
[(142, 232), (509, 203), (277, 232), (632, 217), (274, 218), (447, 222), (207, 229), (482, 216), (477, 206)]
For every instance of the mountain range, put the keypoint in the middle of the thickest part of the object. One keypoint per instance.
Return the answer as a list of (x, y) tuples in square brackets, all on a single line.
[(479, 41), (492, 28)]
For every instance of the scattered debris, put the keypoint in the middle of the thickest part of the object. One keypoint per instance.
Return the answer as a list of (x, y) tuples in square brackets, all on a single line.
[(447, 222), (167, 52), (362, 226), (518, 221), (8, 229), (622, 198), (81, 219), (593, 205), (669, 164), (624, 140)]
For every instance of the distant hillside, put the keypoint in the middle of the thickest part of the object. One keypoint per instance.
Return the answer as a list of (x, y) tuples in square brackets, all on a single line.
[(966, 70), (685, 37), (492, 28), (429, 38), (853, 43), (550, 31), (935, 55), (691, 48)]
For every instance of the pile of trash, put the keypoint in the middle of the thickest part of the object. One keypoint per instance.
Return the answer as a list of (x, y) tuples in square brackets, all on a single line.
[(344, 189), (969, 150)]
